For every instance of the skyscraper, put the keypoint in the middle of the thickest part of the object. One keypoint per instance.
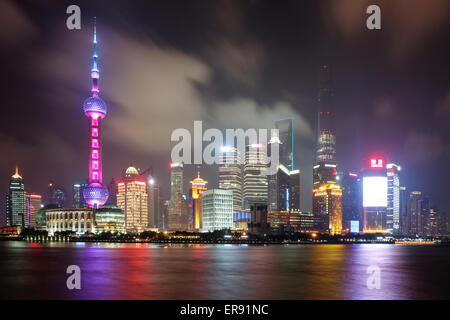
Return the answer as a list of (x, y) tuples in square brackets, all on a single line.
[(217, 210), (176, 179), (16, 202), (324, 170), (351, 200), (230, 175), (154, 204), (34, 203), (77, 195), (284, 189), (95, 109), (393, 199), (177, 210), (132, 198), (57, 194), (327, 205), (286, 137), (415, 215), (198, 188), (112, 190), (375, 188), (255, 182), (404, 211)]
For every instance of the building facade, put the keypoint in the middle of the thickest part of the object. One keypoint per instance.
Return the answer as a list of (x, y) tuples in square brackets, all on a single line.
[(351, 200), (284, 189), (76, 220), (197, 190), (327, 207), (393, 199), (177, 210), (132, 198), (217, 210), (255, 181), (16, 202), (375, 195), (230, 175), (34, 204)]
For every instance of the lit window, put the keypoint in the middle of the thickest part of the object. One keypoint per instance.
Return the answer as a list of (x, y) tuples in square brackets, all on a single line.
[(94, 132), (94, 143), (95, 122), (95, 165)]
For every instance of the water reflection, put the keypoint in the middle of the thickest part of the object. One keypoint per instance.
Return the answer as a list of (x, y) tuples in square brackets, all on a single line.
[(194, 271)]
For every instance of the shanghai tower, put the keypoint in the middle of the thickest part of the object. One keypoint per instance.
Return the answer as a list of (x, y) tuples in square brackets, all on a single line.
[(95, 109), (325, 163)]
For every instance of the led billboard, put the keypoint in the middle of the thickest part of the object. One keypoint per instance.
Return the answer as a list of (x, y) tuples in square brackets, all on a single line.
[(354, 226), (375, 191)]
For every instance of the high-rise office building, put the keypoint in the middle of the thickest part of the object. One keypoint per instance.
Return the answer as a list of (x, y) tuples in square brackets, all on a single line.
[(404, 211), (132, 198), (16, 208), (176, 179), (325, 167), (421, 217), (95, 109), (217, 210), (77, 195), (255, 181), (393, 200), (286, 137), (154, 204), (112, 190), (327, 206), (57, 195), (375, 199), (177, 210), (351, 185), (258, 222), (230, 175), (284, 189), (178, 214), (34, 204), (197, 190)]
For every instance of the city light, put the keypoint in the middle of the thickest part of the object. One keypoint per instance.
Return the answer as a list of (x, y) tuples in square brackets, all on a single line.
[(375, 191)]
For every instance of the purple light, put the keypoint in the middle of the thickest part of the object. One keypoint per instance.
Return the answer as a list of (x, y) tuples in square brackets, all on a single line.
[(95, 195), (95, 108)]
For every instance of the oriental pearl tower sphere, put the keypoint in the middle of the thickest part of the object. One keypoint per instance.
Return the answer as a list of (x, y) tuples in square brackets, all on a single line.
[(95, 109)]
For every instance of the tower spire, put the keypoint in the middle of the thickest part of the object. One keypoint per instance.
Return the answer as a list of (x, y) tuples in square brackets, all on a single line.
[(95, 74), (16, 174)]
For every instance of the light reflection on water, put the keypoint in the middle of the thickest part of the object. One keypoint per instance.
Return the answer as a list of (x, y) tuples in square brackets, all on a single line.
[(195, 271)]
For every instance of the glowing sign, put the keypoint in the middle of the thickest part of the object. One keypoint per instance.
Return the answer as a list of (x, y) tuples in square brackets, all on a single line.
[(375, 191), (351, 174), (376, 163), (354, 226)]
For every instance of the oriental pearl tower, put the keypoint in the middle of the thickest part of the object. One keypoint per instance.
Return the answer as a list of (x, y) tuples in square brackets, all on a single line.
[(95, 109)]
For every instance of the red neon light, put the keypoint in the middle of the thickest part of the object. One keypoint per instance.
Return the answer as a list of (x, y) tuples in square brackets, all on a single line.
[(376, 163)]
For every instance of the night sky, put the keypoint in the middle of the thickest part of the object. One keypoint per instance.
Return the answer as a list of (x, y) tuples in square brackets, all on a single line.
[(232, 64)]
